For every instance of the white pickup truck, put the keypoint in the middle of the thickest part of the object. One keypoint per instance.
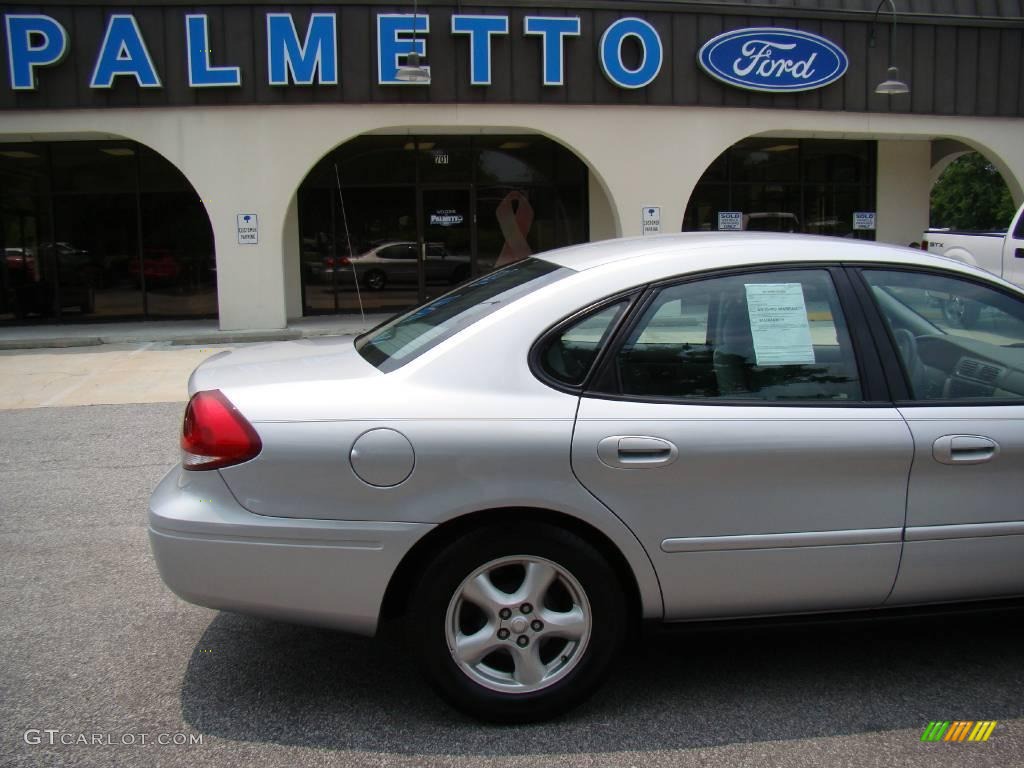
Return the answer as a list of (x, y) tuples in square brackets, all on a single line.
[(998, 252)]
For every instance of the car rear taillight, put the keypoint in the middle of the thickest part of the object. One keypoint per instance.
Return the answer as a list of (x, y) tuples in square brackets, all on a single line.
[(215, 434)]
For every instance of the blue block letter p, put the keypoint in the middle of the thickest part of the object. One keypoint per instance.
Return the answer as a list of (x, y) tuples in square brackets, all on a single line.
[(33, 41)]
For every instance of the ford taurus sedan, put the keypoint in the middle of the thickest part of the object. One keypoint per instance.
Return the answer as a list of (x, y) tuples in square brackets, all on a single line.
[(675, 429)]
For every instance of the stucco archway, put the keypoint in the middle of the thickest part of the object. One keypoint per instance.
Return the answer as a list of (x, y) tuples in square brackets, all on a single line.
[(524, 193), (101, 226)]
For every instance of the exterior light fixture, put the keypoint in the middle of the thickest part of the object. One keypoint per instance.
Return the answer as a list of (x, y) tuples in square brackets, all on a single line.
[(892, 85), (412, 71)]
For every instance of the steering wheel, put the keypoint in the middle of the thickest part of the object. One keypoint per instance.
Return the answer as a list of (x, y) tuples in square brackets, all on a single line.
[(906, 343)]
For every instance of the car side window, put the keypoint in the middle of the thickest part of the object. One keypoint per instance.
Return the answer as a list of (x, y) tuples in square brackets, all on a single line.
[(403, 251), (956, 339), (766, 336), (568, 355)]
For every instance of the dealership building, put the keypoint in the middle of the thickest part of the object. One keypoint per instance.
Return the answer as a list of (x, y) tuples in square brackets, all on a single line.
[(259, 163)]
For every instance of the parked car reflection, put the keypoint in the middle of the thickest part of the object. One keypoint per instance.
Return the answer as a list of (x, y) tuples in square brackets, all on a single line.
[(30, 279), (393, 263)]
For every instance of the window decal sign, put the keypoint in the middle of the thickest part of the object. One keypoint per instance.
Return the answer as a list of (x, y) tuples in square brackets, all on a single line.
[(730, 221), (863, 219), (773, 60), (515, 218), (448, 217), (779, 324)]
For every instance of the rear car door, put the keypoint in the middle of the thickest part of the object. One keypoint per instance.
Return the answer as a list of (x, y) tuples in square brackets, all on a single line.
[(962, 381), (739, 426)]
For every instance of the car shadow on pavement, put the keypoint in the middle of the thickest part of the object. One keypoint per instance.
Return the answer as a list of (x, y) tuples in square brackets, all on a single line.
[(261, 681)]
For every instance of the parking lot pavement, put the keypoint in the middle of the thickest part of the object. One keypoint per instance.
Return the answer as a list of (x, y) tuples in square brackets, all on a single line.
[(93, 647), (144, 372)]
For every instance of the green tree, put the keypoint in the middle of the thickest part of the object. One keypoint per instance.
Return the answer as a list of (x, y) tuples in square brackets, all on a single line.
[(970, 194)]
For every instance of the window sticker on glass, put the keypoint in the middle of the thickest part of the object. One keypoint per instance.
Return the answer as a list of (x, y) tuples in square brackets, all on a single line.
[(779, 324)]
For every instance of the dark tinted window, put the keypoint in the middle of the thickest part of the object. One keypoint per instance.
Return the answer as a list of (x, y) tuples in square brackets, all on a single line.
[(403, 251), (957, 340), (408, 336), (767, 336), (569, 355)]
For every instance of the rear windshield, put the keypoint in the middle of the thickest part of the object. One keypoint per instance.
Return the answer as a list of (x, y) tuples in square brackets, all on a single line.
[(406, 337)]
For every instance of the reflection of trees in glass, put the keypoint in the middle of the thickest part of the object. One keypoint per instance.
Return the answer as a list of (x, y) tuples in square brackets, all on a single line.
[(970, 194)]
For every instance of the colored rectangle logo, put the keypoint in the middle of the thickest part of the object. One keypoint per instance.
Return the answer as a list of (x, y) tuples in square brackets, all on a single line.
[(958, 730)]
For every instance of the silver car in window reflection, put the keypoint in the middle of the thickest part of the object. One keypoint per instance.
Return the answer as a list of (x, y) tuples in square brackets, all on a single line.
[(394, 263), (675, 429)]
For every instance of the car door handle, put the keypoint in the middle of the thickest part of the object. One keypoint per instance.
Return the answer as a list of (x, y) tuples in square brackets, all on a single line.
[(964, 449), (635, 452)]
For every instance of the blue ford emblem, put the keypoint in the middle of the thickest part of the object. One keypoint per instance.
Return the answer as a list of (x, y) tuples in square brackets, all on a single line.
[(772, 59)]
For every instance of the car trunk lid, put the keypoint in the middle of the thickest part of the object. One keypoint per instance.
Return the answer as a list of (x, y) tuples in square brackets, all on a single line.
[(319, 359)]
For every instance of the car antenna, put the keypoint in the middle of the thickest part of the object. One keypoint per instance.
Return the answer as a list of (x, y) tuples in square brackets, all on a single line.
[(348, 240)]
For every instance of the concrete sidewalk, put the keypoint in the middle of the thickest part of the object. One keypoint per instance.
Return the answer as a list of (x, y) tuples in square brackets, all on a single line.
[(178, 332), (46, 366)]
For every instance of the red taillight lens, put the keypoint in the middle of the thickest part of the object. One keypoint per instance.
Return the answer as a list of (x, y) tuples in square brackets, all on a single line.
[(215, 434)]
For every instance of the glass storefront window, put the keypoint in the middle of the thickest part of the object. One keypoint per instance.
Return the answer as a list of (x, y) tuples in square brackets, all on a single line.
[(787, 185), (765, 160), (426, 213), (99, 230), (445, 159), (91, 167), (845, 162)]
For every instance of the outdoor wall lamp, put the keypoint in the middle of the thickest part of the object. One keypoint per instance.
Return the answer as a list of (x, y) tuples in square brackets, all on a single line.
[(412, 71), (892, 85)]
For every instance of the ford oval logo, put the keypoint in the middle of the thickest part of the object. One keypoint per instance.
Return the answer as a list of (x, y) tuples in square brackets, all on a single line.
[(772, 59)]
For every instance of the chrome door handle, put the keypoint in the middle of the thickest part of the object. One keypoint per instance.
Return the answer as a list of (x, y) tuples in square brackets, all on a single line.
[(964, 449), (636, 451)]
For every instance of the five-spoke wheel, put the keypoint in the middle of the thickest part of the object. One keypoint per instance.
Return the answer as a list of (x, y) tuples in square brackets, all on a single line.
[(517, 622)]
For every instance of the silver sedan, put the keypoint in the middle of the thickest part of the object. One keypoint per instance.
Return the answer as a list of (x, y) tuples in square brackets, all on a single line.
[(674, 429)]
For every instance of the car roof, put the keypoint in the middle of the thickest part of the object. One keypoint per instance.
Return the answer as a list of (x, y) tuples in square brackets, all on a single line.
[(659, 256)]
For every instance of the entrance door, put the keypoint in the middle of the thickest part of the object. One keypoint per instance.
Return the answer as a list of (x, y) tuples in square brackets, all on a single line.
[(446, 239)]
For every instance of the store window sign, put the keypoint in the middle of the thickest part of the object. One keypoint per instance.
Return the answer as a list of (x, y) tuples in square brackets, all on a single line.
[(773, 60), (309, 56), (864, 220), (730, 221), (446, 218)]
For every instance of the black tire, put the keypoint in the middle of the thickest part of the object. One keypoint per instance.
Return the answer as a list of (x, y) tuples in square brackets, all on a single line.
[(375, 280), (428, 614)]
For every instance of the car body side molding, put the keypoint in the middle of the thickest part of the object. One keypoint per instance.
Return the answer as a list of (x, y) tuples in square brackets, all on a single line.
[(782, 540)]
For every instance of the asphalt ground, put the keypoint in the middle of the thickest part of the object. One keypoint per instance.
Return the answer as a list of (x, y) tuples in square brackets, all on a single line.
[(94, 649)]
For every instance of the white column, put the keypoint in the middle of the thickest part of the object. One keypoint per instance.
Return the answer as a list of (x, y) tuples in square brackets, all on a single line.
[(903, 191), (291, 247), (603, 224), (250, 278)]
